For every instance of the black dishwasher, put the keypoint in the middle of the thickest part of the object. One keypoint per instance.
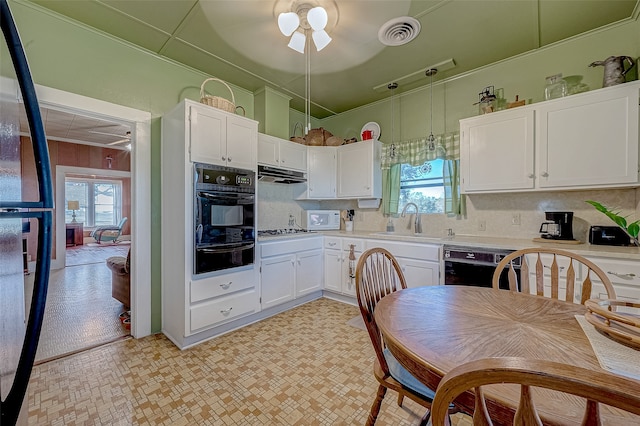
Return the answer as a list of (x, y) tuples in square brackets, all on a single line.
[(474, 266)]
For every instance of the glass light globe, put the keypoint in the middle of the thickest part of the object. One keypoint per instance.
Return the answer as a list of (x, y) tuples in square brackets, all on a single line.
[(288, 22), (317, 18)]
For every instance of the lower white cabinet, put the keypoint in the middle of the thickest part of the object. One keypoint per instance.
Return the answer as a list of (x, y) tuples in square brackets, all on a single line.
[(277, 277), (625, 277), (339, 270), (420, 263), (289, 269)]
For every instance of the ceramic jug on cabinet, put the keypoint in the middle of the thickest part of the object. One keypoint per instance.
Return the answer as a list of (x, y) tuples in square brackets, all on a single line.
[(614, 70)]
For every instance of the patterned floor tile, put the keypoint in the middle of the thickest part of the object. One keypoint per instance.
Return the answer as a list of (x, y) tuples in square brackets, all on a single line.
[(306, 366)]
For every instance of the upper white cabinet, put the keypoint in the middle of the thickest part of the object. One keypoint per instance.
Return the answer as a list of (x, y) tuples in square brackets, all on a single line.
[(278, 152), (497, 151), (222, 138), (589, 140), (583, 141), (359, 174), (321, 174)]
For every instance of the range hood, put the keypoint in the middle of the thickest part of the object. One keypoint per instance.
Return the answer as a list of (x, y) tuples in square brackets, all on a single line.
[(276, 175)]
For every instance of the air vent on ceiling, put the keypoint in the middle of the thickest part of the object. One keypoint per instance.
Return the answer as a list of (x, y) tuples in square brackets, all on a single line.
[(399, 31)]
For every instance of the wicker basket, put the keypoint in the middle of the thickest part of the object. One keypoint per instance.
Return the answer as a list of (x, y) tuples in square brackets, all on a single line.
[(298, 139), (217, 101)]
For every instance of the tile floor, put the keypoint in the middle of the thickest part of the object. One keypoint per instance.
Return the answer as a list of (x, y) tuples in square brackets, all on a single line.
[(80, 312), (306, 366)]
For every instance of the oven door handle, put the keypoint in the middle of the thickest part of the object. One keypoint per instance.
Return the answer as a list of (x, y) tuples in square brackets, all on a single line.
[(228, 249), (233, 196)]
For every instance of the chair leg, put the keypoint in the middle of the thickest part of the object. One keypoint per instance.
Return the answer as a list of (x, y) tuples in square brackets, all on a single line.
[(400, 398), (425, 419), (375, 408)]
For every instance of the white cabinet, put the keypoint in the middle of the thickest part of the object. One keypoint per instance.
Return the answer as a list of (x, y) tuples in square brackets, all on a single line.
[(194, 306), (420, 263), (583, 141), (359, 172), (496, 151), (321, 173), (589, 140), (277, 277), (222, 138), (273, 151), (339, 270), (625, 277), (309, 270), (290, 269)]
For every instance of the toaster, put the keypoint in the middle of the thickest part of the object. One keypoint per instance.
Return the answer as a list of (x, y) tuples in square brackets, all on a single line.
[(609, 236)]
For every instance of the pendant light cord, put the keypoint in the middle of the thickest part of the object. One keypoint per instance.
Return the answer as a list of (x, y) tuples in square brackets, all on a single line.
[(307, 94)]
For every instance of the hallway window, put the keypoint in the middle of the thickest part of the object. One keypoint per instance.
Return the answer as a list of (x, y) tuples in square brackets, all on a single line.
[(100, 200)]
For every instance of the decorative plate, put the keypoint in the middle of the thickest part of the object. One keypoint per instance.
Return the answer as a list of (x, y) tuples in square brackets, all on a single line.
[(373, 127)]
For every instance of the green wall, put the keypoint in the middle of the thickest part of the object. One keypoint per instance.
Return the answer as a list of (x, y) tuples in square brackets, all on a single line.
[(523, 75), (70, 57)]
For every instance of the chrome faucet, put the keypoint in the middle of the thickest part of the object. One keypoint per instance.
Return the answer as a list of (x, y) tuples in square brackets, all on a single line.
[(418, 223)]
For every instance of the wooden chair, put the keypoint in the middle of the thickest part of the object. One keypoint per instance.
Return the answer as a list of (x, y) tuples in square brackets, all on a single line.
[(610, 389), (377, 275), (555, 274)]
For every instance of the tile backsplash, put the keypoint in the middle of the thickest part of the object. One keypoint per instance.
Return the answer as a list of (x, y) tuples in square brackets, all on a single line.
[(495, 211)]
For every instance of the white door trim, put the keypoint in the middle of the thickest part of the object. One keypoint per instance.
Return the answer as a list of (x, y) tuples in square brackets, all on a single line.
[(140, 191)]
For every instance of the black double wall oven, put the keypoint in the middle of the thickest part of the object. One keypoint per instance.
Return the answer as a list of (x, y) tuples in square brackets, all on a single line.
[(224, 218)]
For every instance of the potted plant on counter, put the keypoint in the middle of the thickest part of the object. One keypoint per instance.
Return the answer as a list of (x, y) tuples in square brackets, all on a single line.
[(632, 229)]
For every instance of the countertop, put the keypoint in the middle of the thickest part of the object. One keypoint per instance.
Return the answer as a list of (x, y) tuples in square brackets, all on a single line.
[(584, 249)]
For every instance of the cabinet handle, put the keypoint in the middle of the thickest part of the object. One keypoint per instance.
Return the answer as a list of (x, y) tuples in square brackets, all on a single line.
[(223, 158), (332, 244), (229, 158), (283, 161), (293, 262), (226, 285), (629, 276), (226, 311), (531, 175), (545, 174), (299, 262)]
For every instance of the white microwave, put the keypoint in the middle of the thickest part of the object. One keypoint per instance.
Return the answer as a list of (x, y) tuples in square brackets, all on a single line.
[(321, 220)]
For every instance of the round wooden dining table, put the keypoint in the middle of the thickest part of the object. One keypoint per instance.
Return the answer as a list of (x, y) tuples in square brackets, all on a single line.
[(432, 329)]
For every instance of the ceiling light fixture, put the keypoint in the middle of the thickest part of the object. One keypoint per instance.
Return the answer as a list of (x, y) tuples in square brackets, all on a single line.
[(298, 23)]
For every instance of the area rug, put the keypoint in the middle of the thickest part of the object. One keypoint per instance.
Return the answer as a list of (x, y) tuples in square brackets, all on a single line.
[(357, 322)]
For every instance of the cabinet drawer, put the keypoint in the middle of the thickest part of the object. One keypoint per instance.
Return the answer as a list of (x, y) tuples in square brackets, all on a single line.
[(276, 248), (207, 288), (618, 271), (359, 244), (409, 250), (332, 243), (223, 309)]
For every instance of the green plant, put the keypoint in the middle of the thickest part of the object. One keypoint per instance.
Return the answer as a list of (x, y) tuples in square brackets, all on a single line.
[(614, 214)]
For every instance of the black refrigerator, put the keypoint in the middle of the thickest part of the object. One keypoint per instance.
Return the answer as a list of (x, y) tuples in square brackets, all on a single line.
[(20, 324)]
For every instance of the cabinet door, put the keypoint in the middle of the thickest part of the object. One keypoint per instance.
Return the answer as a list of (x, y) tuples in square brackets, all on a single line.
[(293, 155), (242, 142), (268, 150), (308, 272), (321, 175), (333, 270), (356, 170), (208, 135), (349, 274), (277, 277), (496, 151), (590, 139), (419, 273)]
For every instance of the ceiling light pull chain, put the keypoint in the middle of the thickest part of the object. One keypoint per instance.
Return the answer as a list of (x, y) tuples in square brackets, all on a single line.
[(307, 109)]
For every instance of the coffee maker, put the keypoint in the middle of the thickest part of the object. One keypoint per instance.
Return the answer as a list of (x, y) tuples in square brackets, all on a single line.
[(559, 226)]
